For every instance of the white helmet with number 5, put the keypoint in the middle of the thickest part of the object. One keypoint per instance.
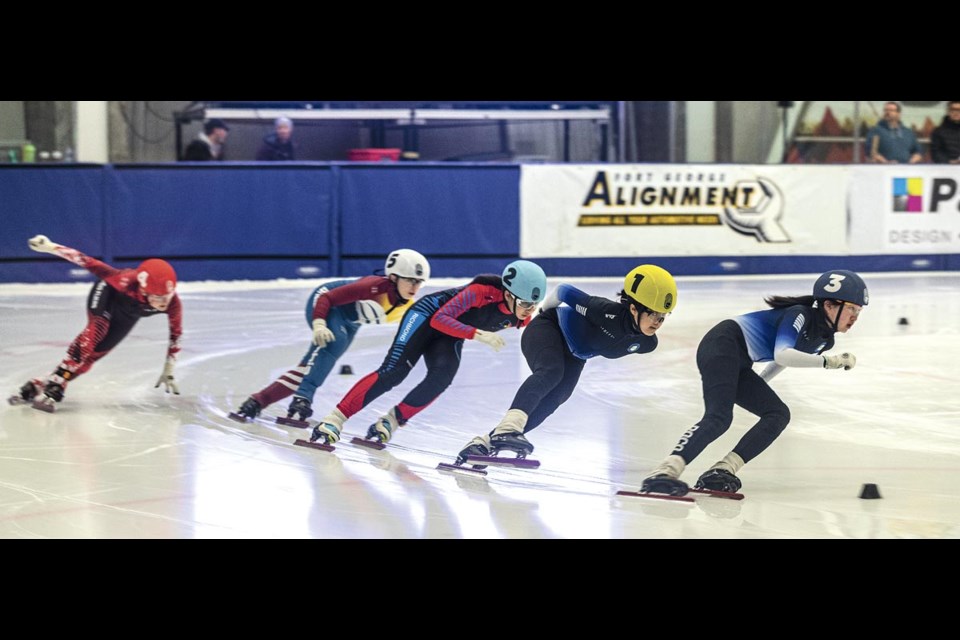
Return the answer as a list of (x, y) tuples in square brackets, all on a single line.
[(407, 263)]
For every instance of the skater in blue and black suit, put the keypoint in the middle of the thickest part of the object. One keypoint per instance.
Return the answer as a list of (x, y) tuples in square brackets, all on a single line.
[(559, 341), (793, 333)]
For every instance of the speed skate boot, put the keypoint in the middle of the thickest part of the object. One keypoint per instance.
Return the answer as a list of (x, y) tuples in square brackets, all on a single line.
[(329, 428), (301, 407), (509, 434), (718, 480), (479, 446), (250, 409), (30, 390), (665, 478), (52, 394), (382, 430)]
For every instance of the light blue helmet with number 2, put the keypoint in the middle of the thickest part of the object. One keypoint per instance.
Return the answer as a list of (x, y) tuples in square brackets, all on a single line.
[(842, 285), (525, 280), (407, 263)]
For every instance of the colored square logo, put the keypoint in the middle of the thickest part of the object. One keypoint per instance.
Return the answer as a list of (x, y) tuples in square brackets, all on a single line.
[(908, 195)]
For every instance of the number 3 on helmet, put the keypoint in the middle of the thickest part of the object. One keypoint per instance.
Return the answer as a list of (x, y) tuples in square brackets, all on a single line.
[(653, 287), (842, 285)]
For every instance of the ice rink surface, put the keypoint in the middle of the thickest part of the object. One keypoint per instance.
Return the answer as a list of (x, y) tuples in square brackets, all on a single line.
[(121, 459)]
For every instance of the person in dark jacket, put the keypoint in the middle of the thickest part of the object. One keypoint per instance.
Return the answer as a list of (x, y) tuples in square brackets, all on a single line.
[(278, 145), (208, 145), (945, 139)]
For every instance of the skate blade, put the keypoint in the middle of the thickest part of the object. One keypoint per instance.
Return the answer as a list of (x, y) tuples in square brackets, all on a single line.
[(730, 495), (43, 406), (443, 466), (14, 400), (494, 461), (370, 444), (293, 422), (238, 418), (314, 445), (659, 496)]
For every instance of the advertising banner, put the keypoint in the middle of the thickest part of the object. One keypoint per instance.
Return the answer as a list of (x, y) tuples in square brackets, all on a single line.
[(682, 210)]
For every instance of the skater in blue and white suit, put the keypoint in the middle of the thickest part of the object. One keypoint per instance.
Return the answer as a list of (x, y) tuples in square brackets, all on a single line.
[(793, 333)]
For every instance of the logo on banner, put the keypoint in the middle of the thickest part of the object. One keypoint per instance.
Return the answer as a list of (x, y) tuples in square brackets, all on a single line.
[(751, 207), (761, 218), (908, 195)]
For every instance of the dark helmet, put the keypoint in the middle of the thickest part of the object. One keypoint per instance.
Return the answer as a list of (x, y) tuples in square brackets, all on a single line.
[(842, 285)]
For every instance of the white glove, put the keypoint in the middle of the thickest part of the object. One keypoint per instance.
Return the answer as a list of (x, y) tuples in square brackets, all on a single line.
[(166, 378), (489, 338), (846, 361), (42, 244), (322, 335)]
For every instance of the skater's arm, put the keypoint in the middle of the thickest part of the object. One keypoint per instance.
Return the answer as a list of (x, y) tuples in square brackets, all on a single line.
[(175, 320), (785, 352), (771, 370), (474, 295), (367, 288), (102, 270)]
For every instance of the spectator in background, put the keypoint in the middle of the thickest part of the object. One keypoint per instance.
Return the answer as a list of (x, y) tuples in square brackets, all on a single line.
[(278, 145), (208, 145), (945, 139), (890, 142)]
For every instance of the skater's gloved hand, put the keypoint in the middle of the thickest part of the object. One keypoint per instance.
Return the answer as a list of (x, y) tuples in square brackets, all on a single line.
[(166, 378), (489, 338), (846, 361), (42, 244), (321, 334)]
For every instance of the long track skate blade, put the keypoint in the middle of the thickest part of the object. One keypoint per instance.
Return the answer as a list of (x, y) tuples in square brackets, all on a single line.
[(443, 466), (659, 496), (238, 418), (370, 444), (43, 406), (495, 461), (293, 422), (16, 400), (314, 445), (718, 494)]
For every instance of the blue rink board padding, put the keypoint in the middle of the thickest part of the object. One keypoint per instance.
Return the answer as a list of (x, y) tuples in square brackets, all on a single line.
[(439, 210), (269, 211), (59, 203)]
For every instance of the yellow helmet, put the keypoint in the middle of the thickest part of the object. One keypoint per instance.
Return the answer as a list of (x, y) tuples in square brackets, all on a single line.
[(653, 287)]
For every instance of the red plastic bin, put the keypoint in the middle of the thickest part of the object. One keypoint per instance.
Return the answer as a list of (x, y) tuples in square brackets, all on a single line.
[(374, 155)]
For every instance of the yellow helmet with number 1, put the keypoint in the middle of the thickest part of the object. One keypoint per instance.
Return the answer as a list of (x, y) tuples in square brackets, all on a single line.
[(653, 287)]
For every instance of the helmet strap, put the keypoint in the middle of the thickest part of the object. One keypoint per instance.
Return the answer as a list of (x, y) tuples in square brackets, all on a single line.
[(833, 324)]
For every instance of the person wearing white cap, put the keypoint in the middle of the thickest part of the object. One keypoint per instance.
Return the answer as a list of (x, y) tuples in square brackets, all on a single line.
[(278, 145)]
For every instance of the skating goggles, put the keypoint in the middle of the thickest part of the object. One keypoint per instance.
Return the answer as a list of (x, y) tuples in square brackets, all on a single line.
[(523, 304), (655, 316), (412, 281), (855, 309)]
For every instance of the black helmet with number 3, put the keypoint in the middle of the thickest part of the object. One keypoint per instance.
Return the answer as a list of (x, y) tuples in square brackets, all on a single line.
[(842, 285)]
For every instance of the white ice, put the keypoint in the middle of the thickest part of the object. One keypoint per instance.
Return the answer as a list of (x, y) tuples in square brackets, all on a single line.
[(121, 459)]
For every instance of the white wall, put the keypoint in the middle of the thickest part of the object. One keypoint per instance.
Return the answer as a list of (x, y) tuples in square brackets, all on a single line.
[(701, 134), (91, 131)]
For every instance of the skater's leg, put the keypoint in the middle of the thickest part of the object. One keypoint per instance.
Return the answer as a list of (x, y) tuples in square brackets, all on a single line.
[(408, 345), (757, 397), (319, 362), (442, 357)]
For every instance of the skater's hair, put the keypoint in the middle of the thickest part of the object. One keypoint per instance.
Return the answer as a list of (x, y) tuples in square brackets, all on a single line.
[(488, 278), (779, 302), (626, 301)]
